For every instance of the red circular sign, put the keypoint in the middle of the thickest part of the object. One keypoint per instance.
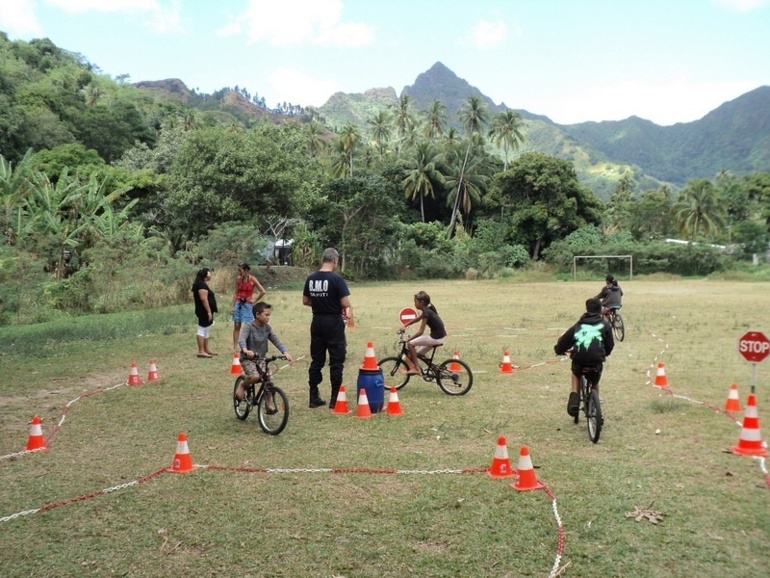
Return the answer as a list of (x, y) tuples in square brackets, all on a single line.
[(407, 314), (754, 346)]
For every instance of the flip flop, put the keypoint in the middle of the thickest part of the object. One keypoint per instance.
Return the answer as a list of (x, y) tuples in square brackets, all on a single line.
[(212, 354), (204, 356)]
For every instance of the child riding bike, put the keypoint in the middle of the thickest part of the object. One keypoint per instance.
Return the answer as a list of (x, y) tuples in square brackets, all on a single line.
[(253, 343), (590, 342), (611, 294)]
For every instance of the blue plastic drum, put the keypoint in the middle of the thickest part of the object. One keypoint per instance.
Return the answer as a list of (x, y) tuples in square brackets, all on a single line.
[(373, 383)]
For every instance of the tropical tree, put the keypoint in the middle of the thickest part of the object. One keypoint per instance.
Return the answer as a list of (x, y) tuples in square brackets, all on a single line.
[(422, 169), (435, 121), (467, 178), (506, 129), (473, 115), (15, 186), (349, 138), (698, 210), (403, 118), (380, 125)]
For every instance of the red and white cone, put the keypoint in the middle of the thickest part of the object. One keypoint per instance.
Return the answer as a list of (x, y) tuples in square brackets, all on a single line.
[(182, 459), (394, 405), (363, 409), (133, 376), (152, 374), (341, 405), (733, 402), (527, 479), (750, 442), (454, 366), (370, 361), (506, 366), (235, 366), (660, 377), (35, 440), (501, 463)]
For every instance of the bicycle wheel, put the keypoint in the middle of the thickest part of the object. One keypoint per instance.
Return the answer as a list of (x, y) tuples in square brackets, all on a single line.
[(618, 329), (241, 408), (582, 392), (394, 372), (453, 381), (594, 416), (274, 416)]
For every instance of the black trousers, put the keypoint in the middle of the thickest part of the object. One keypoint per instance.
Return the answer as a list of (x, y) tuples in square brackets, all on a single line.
[(327, 334)]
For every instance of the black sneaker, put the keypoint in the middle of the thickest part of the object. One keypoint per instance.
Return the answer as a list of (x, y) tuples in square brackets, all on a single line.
[(317, 402), (573, 405)]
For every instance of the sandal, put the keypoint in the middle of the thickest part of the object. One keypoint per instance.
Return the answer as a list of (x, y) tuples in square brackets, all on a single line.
[(203, 356)]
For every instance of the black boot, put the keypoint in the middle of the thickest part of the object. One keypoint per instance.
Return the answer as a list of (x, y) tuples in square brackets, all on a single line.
[(573, 405), (315, 398)]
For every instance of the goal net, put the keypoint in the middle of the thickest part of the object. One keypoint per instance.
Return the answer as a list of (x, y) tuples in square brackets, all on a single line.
[(612, 263)]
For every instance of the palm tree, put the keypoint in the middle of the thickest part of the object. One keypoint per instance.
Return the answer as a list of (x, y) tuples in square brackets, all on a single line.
[(436, 119), (380, 126), (314, 135), (349, 138), (473, 115), (698, 210), (403, 118), (468, 175), (423, 172), (506, 128), (15, 186)]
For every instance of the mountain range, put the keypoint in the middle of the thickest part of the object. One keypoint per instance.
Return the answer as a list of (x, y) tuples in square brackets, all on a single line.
[(734, 137)]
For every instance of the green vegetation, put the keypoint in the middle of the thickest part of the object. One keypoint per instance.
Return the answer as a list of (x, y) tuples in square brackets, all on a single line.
[(657, 451), (112, 195)]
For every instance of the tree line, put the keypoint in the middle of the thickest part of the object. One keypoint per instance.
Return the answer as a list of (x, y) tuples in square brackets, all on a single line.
[(111, 196)]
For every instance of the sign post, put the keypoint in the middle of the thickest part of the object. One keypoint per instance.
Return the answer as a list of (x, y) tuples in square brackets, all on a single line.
[(754, 346), (407, 314)]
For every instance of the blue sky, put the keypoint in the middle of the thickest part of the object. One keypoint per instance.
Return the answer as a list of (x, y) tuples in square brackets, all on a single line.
[(573, 60)]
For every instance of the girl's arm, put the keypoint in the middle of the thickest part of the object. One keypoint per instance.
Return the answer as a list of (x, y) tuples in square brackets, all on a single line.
[(258, 287), (421, 330), (204, 296)]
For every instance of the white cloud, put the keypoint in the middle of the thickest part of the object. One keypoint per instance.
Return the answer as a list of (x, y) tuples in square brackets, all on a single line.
[(291, 85), (664, 104), (486, 34), (160, 18), (290, 22), (741, 5), (18, 18)]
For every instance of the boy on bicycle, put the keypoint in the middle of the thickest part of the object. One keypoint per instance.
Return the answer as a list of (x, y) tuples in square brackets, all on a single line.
[(590, 342), (253, 340)]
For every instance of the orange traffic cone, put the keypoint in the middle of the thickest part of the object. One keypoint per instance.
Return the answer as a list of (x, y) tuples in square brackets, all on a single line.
[(506, 366), (133, 376), (454, 366), (501, 465), (363, 409), (35, 441), (341, 406), (660, 377), (733, 402), (527, 479), (394, 405), (235, 367), (370, 361), (750, 442), (152, 375), (182, 460)]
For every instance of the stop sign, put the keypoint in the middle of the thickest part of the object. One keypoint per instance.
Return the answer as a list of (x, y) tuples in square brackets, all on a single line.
[(754, 346), (407, 314)]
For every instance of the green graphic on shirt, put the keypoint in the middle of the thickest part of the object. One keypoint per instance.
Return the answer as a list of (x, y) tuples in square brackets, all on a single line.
[(585, 336)]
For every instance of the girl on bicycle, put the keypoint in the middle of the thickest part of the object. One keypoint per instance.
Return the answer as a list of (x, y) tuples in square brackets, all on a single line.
[(611, 294), (428, 316)]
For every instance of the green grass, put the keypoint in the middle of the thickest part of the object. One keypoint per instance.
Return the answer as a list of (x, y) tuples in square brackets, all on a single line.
[(656, 450)]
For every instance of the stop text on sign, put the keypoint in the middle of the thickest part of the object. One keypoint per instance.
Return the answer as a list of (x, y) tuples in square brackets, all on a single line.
[(754, 346)]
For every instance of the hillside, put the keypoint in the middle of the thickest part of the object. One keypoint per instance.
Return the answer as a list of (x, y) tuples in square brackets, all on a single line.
[(733, 137)]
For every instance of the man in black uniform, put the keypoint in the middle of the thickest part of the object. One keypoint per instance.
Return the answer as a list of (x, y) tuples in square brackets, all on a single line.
[(327, 294)]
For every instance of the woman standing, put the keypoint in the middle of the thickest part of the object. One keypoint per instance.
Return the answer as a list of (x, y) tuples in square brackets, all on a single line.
[(205, 307), (243, 300)]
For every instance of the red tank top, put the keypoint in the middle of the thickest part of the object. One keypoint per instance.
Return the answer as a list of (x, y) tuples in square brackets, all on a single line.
[(245, 288)]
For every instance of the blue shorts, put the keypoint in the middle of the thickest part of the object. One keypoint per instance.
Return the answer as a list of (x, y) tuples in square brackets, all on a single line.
[(242, 312)]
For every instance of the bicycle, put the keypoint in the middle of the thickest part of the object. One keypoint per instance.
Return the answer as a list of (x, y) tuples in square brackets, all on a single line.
[(453, 376), (590, 403), (616, 322), (272, 417)]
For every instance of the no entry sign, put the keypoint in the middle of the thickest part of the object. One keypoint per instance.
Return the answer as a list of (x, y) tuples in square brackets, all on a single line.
[(407, 314), (754, 346)]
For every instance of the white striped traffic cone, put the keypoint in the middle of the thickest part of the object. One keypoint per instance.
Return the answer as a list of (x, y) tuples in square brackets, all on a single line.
[(750, 442)]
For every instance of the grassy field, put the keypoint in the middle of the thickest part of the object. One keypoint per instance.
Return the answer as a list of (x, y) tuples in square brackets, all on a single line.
[(662, 452)]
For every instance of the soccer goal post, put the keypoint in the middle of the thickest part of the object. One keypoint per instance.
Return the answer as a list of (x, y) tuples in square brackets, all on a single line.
[(576, 258)]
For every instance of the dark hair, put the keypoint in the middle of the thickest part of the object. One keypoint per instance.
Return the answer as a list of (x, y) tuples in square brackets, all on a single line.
[(201, 274), (244, 266), (610, 279), (259, 307), (425, 298), (593, 306)]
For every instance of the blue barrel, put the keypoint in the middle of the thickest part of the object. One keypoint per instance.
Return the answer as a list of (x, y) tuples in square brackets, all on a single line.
[(373, 383)]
